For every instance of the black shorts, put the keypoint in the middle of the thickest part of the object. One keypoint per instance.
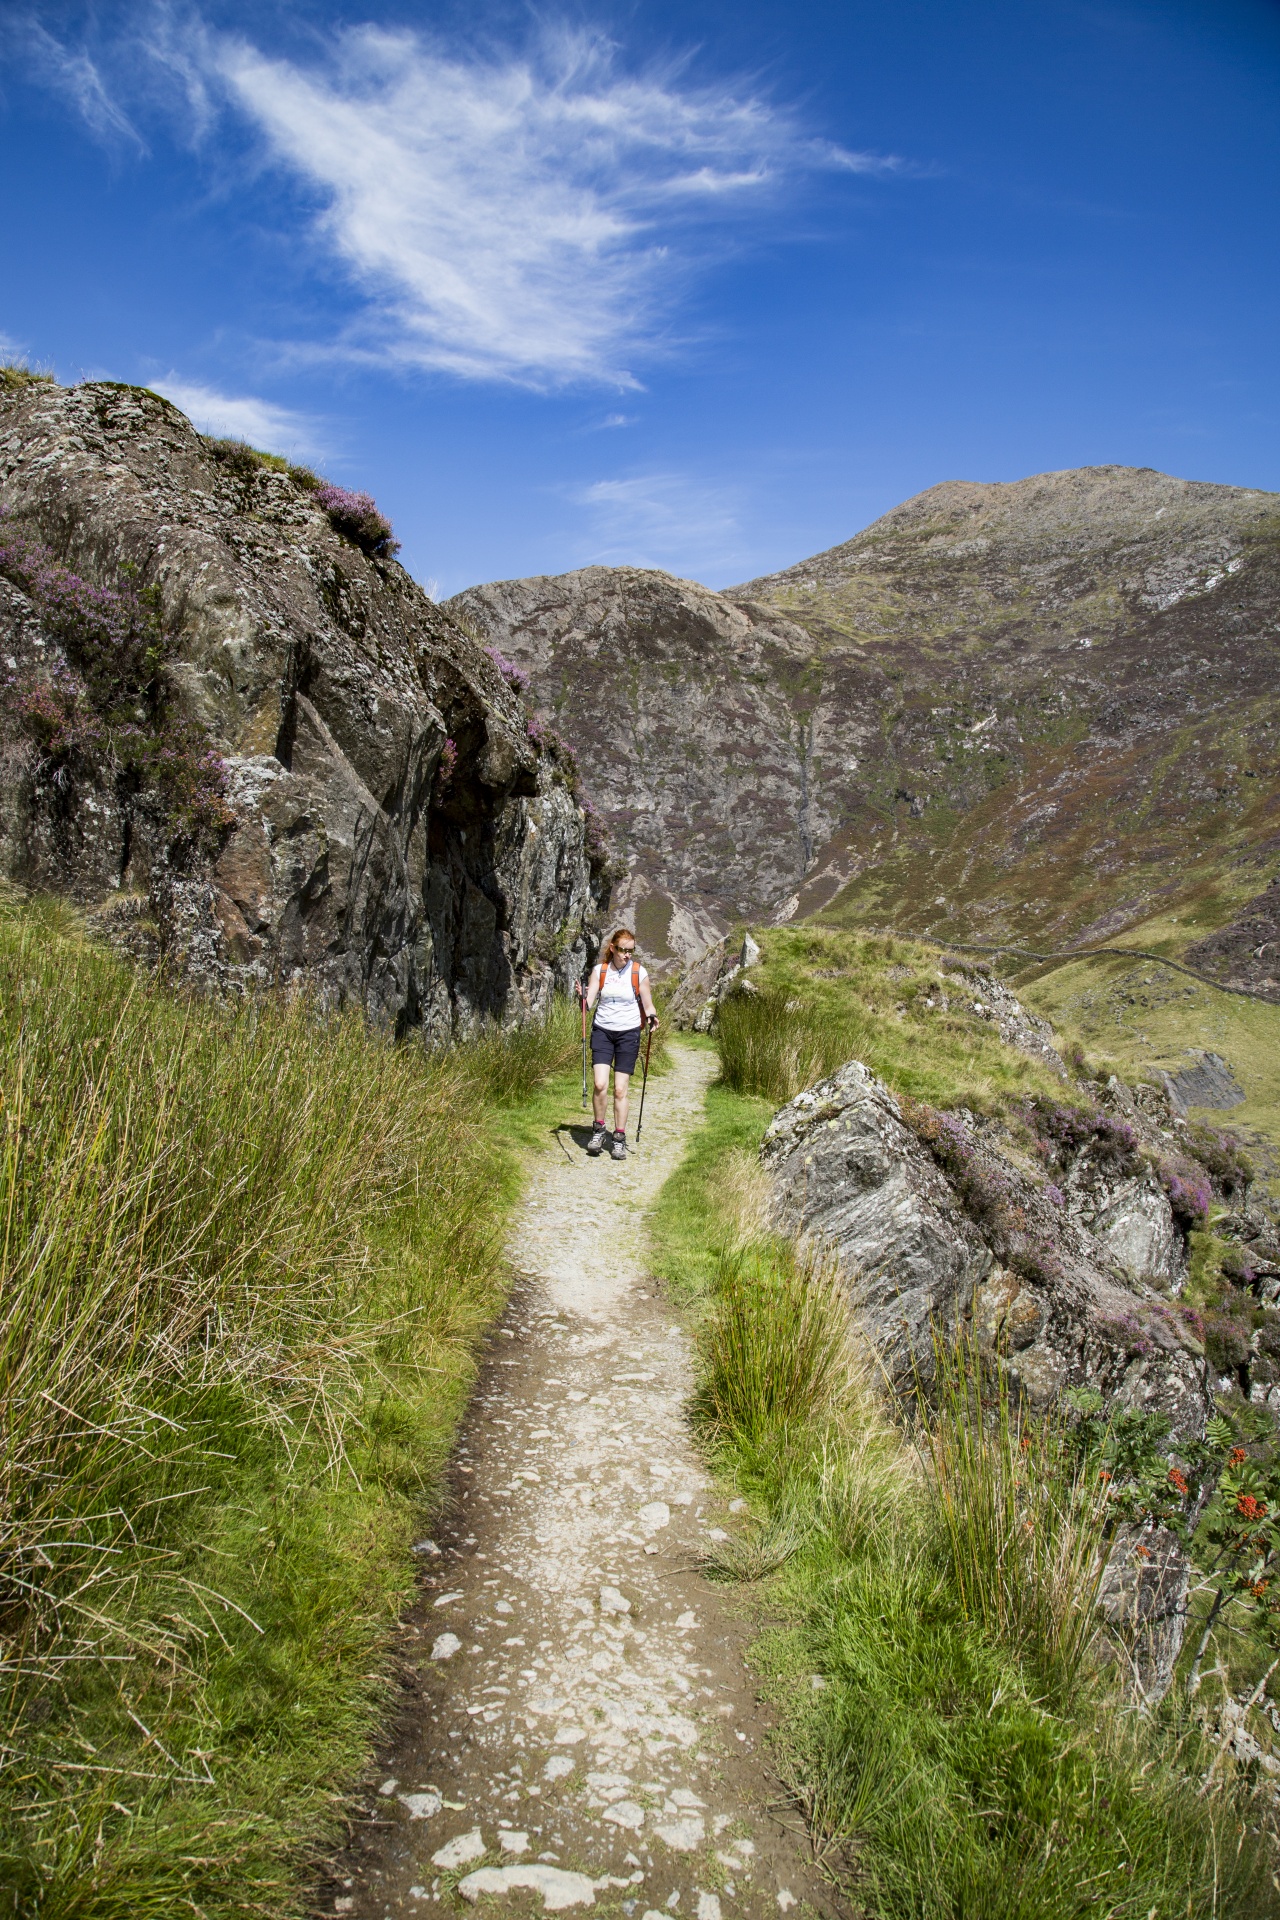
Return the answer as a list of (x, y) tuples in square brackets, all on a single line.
[(617, 1050)]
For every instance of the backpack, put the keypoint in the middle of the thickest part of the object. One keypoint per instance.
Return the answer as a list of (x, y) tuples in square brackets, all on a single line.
[(635, 980)]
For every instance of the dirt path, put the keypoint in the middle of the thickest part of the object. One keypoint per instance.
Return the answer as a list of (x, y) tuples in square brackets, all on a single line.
[(581, 1731)]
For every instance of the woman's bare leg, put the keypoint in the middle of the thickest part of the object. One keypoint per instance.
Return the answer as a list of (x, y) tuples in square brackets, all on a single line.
[(599, 1092), (621, 1089)]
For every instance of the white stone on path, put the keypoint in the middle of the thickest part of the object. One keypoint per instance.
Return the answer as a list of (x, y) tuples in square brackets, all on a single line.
[(708, 1907), (611, 1601), (625, 1813), (655, 1515), (683, 1836), (421, 1806), (558, 1887), (458, 1851), (445, 1646), (512, 1842), (558, 1767)]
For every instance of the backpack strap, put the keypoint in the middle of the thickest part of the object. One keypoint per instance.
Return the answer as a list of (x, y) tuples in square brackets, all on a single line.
[(635, 980), (604, 975)]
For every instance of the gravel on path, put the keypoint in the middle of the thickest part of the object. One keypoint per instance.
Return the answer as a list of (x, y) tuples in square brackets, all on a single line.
[(581, 1730)]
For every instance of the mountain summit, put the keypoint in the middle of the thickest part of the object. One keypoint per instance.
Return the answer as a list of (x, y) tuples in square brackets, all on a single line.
[(1028, 710)]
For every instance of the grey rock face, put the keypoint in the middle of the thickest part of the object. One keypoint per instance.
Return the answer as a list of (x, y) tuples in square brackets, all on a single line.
[(329, 684), (852, 1177), (1207, 1082), (1133, 1221), (1048, 1297)]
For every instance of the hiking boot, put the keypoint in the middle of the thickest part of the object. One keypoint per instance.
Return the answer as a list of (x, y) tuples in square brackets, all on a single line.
[(619, 1147), (595, 1145)]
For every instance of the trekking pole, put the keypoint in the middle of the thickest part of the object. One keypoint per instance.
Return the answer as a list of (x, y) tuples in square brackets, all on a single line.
[(648, 1039), (582, 999)]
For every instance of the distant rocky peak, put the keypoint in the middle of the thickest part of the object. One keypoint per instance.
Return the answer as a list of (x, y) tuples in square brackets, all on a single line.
[(937, 724)]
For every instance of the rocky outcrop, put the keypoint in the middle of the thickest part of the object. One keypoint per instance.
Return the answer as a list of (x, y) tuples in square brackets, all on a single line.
[(717, 972), (938, 724), (679, 706), (293, 767), (941, 1229), (1246, 953), (955, 1232), (991, 1000)]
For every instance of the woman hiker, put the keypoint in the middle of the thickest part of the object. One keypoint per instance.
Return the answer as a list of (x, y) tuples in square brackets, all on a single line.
[(619, 992)]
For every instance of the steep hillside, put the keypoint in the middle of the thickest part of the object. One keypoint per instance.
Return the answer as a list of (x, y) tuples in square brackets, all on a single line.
[(687, 713), (234, 727), (1039, 709)]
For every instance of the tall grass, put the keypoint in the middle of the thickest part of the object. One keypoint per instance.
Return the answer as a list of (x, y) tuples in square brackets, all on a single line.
[(775, 1043), (1025, 1518), (246, 1254), (773, 1352), (965, 1753)]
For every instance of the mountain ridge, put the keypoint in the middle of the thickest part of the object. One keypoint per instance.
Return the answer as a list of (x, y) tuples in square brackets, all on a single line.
[(1028, 710)]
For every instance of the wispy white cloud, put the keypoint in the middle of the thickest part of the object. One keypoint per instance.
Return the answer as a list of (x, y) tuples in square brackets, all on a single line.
[(241, 417), (669, 520), (513, 217), (71, 73), (529, 216)]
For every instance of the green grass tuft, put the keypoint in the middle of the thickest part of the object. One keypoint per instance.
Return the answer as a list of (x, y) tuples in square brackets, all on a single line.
[(771, 1352), (16, 376)]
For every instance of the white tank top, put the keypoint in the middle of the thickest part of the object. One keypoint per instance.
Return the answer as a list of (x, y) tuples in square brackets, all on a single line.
[(617, 1009)]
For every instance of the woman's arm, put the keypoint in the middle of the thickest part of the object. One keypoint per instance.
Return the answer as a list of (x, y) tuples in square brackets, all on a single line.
[(593, 987), (646, 1001)]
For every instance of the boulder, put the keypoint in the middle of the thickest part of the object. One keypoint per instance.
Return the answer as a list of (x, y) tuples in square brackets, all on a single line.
[(378, 817), (849, 1176)]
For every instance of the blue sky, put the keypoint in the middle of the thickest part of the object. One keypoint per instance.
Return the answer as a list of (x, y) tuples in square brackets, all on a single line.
[(705, 287)]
